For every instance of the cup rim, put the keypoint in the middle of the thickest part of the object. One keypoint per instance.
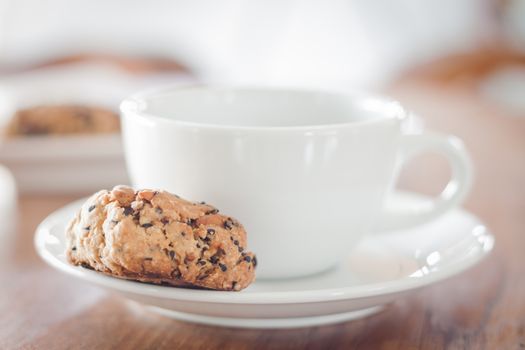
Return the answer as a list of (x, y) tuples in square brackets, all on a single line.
[(135, 105)]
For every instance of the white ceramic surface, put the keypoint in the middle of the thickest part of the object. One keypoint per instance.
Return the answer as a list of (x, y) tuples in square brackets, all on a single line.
[(381, 269), (65, 164), (300, 169), (506, 87), (71, 163), (8, 215)]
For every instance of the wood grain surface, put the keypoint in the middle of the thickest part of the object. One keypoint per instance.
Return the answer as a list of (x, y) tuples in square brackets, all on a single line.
[(483, 308)]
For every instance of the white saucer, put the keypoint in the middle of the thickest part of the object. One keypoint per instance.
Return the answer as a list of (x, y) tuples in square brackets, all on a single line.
[(381, 269)]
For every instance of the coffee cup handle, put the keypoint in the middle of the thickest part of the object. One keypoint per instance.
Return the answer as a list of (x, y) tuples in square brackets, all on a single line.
[(452, 196)]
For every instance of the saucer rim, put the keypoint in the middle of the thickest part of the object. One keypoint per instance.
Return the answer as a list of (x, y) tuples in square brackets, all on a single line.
[(267, 297)]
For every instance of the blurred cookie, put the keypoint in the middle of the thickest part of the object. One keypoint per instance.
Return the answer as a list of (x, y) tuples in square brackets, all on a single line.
[(157, 237), (62, 119)]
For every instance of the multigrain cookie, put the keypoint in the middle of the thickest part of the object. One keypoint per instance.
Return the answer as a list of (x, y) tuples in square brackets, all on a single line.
[(158, 237), (62, 119)]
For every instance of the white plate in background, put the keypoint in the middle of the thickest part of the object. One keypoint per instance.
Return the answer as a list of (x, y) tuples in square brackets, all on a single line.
[(65, 164), (506, 88), (8, 214), (70, 163)]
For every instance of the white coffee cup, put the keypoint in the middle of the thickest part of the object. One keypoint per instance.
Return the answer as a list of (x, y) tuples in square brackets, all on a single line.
[(307, 173)]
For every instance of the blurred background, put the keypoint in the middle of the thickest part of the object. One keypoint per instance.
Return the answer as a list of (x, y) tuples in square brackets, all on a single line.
[(66, 65)]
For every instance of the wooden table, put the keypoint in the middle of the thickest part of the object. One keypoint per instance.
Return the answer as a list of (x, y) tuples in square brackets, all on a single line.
[(483, 308)]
